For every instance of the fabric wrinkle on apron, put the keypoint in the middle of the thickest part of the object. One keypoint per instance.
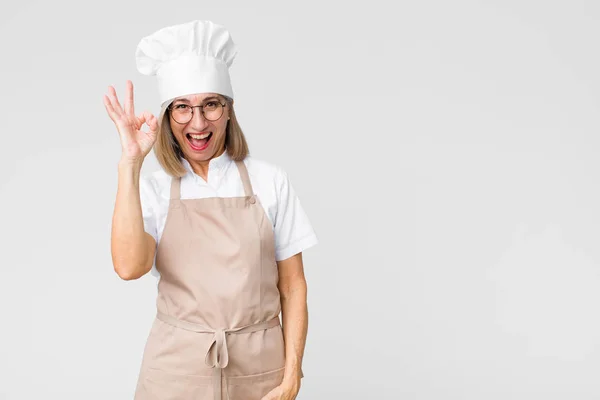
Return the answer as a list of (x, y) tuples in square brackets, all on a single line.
[(217, 356), (217, 322)]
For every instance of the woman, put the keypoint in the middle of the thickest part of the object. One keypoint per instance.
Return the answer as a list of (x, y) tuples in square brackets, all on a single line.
[(223, 232)]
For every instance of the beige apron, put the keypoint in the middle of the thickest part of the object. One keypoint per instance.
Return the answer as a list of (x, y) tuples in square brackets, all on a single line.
[(217, 334)]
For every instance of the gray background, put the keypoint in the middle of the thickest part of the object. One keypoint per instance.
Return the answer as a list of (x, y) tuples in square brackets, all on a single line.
[(446, 153)]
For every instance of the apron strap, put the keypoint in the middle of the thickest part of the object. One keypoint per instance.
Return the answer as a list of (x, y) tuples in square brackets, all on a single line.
[(175, 188), (245, 177)]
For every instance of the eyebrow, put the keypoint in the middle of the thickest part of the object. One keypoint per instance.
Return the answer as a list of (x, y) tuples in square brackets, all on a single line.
[(187, 101)]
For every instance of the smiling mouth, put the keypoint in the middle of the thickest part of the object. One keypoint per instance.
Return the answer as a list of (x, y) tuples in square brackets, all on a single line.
[(198, 144)]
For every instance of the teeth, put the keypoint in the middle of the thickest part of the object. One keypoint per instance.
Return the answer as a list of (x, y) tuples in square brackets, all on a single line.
[(200, 136)]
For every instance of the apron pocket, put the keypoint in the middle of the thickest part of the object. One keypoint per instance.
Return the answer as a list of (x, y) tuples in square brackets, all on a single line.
[(253, 387), (162, 385)]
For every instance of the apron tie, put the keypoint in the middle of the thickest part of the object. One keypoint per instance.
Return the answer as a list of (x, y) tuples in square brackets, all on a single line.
[(217, 356)]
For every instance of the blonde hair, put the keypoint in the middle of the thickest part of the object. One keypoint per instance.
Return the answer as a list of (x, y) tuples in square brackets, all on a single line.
[(167, 150)]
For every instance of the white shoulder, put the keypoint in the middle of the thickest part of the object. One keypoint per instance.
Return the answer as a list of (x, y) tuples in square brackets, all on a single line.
[(292, 227), (155, 182), (265, 171)]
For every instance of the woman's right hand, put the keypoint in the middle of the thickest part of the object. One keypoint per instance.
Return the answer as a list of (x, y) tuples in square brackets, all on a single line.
[(136, 144)]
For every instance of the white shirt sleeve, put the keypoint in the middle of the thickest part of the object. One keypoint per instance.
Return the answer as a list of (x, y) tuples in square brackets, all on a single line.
[(147, 200), (293, 230)]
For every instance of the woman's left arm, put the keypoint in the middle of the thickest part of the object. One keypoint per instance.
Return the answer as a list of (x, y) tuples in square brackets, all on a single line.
[(294, 311)]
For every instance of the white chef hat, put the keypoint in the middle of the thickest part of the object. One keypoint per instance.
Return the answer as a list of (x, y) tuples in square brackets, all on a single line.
[(193, 57)]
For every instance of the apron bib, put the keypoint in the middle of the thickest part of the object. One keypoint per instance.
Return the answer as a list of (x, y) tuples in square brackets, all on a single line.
[(217, 334)]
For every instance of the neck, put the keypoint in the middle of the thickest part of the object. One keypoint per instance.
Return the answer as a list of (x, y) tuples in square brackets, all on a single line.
[(201, 167)]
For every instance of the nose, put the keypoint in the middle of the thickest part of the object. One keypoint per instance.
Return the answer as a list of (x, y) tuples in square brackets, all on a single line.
[(198, 122)]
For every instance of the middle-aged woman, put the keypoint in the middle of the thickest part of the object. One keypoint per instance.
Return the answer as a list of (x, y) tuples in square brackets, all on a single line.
[(223, 232)]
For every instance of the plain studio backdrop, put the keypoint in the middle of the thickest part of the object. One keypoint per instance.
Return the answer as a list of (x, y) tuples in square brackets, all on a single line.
[(445, 152)]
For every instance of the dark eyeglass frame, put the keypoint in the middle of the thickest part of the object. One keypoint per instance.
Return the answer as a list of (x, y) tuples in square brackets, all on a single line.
[(170, 108)]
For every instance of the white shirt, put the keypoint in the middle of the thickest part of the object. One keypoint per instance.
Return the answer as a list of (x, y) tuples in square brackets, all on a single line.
[(270, 183)]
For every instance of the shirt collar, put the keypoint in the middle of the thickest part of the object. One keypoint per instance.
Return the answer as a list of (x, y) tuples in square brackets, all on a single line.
[(216, 163)]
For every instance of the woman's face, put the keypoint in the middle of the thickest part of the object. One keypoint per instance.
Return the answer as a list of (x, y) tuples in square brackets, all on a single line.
[(210, 135)]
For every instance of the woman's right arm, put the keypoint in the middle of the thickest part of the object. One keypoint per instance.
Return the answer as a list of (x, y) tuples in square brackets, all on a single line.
[(132, 248)]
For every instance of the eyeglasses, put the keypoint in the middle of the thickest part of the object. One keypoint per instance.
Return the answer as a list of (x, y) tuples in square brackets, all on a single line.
[(183, 113)]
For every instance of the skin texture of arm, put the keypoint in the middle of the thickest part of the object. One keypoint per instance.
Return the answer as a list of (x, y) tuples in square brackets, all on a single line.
[(293, 290), (132, 248)]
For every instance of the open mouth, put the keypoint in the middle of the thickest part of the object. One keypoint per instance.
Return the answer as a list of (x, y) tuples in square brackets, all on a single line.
[(198, 142)]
